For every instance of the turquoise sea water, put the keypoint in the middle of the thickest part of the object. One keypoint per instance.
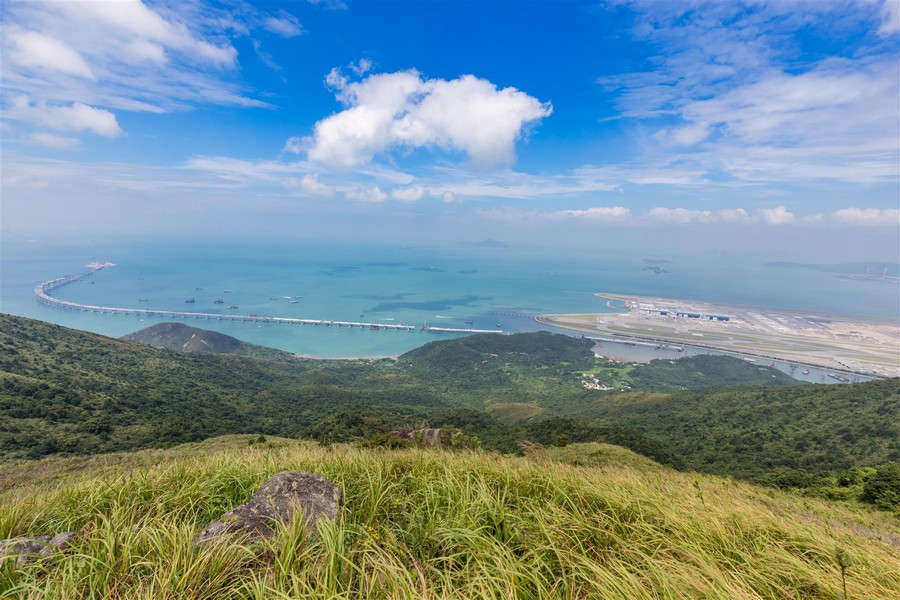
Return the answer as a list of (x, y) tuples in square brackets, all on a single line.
[(446, 286)]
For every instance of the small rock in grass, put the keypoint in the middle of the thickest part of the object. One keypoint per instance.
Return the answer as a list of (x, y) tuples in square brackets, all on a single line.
[(275, 502), (30, 548)]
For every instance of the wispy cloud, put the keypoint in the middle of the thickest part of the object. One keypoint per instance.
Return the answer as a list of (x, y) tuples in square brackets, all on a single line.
[(748, 103), (429, 182), (600, 213), (130, 56), (680, 216), (890, 17), (54, 141), (77, 117), (284, 24)]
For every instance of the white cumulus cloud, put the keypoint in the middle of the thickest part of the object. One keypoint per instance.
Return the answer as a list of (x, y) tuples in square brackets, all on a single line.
[(403, 110), (370, 194), (732, 215), (867, 216), (311, 185), (408, 194), (776, 216), (599, 213), (680, 216)]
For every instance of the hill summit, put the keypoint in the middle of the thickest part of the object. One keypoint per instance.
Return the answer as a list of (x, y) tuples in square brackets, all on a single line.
[(184, 338)]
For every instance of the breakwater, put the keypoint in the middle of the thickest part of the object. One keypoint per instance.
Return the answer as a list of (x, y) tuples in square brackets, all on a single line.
[(43, 293)]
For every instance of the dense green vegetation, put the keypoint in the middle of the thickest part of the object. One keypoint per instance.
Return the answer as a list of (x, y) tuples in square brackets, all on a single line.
[(811, 427), (583, 521), (69, 392)]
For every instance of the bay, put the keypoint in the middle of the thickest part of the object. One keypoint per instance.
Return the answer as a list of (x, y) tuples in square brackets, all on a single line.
[(457, 285)]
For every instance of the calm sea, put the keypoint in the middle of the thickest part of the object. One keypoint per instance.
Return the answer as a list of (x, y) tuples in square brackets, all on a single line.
[(452, 286)]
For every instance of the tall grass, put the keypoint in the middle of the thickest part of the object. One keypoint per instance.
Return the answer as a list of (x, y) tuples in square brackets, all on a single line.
[(433, 524)]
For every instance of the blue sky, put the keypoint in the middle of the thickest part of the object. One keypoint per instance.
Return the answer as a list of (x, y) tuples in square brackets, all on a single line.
[(744, 122)]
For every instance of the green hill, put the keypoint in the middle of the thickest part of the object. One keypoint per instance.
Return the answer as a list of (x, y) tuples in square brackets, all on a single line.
[(184, 338), (68, 392), (578, 522)]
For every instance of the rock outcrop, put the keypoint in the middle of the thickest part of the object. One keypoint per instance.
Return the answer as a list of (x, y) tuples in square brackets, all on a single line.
[(31, 548), (275, 502), (427, 436)]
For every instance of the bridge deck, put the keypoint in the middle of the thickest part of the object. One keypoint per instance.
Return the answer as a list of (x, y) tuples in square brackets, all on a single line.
[(43, 289)]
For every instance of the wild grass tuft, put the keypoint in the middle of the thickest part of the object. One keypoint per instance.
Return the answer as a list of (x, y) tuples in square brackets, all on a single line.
[(434, 524)]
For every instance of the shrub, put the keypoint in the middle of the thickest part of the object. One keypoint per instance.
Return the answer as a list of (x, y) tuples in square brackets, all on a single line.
[(883, 487)]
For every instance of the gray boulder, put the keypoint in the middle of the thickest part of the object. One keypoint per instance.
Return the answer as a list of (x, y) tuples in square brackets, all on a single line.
[(276, 501), (30, 548)]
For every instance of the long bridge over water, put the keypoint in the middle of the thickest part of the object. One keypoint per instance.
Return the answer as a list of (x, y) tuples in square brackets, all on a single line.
[(43, 289)]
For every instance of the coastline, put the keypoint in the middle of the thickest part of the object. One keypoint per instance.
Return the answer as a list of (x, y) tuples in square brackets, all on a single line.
[(653, 342), (312, 357), (625, 298), (861, 346)]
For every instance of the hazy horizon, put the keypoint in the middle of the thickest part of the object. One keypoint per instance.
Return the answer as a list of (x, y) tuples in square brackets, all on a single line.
[(764, 131)]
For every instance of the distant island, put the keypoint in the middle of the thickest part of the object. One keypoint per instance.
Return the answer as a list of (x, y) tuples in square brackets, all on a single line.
[(872, 271), (656, 270), (489, 243)]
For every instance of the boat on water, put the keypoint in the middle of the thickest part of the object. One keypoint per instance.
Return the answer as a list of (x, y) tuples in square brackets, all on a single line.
[(469, 322), (292, 302), (806, 371), (189, 301), (143, 300), (233, 307), (219, 301)]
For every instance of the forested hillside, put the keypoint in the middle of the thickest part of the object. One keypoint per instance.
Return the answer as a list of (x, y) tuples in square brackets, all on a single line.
[(70, 392), (811, 427)]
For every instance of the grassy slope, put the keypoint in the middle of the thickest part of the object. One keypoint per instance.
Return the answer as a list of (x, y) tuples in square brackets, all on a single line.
[(430, 524)]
